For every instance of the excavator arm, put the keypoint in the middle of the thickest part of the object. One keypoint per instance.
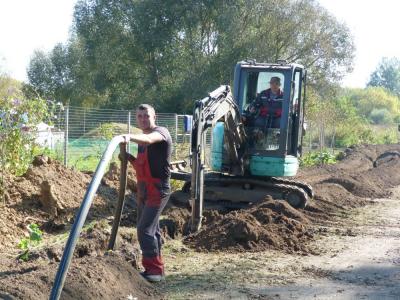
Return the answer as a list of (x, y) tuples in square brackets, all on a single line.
[(218, 106)]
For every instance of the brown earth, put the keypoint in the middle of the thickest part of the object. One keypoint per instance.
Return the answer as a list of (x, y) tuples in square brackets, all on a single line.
[(364, 172), (271, 224), (90, 274), (49, 195), (88, 278)]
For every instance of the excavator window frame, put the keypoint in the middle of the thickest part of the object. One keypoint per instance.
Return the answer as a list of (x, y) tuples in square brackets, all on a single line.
[(287, 73)]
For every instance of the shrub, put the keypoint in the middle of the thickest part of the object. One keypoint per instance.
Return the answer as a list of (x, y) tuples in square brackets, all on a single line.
[(317, 158), (380, 116), (18, 120)]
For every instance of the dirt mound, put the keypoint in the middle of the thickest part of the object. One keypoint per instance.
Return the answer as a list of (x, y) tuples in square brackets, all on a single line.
[(360, 185), (364, 172), (386, 158), (112, 177), (91, 277), (48, 194), (90, 274), (271, 224), (367, 171)]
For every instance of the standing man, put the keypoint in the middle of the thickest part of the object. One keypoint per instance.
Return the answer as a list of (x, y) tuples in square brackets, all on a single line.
[(153, 187)]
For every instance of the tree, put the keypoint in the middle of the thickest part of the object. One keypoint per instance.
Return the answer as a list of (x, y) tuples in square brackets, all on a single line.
[(170, 52), (374, 104), (387, 75), (40, 74)]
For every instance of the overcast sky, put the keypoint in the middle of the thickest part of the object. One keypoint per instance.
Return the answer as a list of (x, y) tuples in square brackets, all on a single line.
[(26, 25)]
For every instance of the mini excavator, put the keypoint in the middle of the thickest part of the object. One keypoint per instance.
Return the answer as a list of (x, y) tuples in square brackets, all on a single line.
[(233, 162)]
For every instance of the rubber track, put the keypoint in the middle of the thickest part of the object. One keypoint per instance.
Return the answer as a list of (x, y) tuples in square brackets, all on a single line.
[(306, 187), (285, 187)]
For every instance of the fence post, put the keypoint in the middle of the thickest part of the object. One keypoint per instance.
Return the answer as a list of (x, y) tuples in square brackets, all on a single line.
[(176, 135), (66, 136), (129, 129), (84, 120)]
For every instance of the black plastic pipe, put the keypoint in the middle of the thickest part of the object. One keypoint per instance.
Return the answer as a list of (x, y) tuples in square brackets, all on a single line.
[(81, 218)]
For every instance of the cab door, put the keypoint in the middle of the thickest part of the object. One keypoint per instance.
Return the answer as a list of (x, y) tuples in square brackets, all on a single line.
[(297, 112)]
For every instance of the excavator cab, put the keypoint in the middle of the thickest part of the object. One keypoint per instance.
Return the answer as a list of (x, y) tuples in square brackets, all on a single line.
[(275, 128)]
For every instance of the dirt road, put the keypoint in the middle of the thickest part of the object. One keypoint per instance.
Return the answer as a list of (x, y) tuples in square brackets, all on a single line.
[(360, 260)]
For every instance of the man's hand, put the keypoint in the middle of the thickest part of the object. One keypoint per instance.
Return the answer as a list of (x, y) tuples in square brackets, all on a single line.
[(126, 137)]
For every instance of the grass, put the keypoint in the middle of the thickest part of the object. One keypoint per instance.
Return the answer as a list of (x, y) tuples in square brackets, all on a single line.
[(84, 154), (215, 275)]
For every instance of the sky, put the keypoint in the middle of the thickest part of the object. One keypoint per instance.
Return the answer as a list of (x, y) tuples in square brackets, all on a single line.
[(26, 25), (375, 27)]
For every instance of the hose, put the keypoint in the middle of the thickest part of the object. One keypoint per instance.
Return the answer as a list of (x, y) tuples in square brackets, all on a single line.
[(81, 218)]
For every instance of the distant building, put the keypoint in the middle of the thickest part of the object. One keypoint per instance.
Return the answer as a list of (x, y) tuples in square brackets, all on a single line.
[(47, 137)]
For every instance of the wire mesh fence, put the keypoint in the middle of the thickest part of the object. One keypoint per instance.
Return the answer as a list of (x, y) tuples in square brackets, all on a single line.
[(79, 136)]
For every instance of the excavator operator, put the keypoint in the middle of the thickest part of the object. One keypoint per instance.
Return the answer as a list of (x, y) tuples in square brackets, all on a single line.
[(265, 112)]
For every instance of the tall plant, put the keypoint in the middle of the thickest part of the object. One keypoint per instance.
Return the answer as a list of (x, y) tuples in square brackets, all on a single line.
[(18, 119)]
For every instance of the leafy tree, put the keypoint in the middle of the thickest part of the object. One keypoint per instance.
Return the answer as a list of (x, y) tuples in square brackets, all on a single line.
[(387, 75), (376, 99), (40, 74), (171, 52)]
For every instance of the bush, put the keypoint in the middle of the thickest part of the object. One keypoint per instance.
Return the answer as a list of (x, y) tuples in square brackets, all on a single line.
[(317, 158), (18, 120), (365, 134), (380, 116)]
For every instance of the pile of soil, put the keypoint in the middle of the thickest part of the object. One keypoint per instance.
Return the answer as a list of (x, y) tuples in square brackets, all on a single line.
[(90, 274), (175, 222), (365, 172), (49, 195), (112, 177), (271, 224), (89, 277)]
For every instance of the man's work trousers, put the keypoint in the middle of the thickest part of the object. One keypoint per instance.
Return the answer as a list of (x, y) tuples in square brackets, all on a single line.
[(149, 236)]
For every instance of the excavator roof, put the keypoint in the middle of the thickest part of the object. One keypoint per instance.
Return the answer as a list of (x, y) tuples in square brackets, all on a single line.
[(281, 64)]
